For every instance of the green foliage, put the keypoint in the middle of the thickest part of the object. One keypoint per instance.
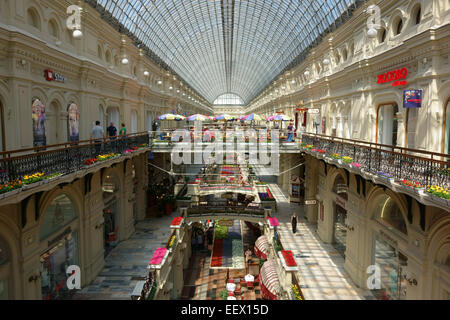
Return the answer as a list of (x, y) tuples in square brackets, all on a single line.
[(223, 294), (221, 232)]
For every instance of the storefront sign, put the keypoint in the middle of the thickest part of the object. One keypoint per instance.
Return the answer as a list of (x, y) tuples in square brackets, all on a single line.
[(310, 202), (412, 98), (302, 109), (54, 76), (313, 111), (397, 77)]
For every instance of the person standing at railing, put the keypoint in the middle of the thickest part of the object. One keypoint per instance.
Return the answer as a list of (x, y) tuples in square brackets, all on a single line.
[(97, 135), (122, 134), (112, 134)]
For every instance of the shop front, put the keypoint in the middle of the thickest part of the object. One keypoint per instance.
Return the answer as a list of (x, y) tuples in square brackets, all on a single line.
[(111, 213), (392, 264), (5, 269), (340, 215), (60, 238), (389, 231)]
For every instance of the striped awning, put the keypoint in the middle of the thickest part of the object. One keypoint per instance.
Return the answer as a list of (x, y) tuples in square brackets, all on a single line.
[(270, 283), (262, 247)]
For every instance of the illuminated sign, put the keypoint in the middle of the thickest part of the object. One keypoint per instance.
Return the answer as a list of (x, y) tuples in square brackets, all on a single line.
[(412, 98), (53, 76), (397, 77)]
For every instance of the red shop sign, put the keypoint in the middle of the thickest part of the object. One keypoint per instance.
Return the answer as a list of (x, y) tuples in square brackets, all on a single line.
[(397, 77)]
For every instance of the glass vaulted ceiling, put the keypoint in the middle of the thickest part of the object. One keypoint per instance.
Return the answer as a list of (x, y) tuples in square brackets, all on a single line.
[(221, 46)]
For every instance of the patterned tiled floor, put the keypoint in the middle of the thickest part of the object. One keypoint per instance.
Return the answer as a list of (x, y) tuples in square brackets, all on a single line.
[(321, 275), (127, 263)]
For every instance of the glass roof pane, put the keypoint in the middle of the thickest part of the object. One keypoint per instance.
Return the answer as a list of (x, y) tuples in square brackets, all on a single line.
[(219, 46), (229, 99)]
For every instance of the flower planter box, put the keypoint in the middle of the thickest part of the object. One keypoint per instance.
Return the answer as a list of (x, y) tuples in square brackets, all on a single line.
[(32, 185), (440, 200), (10, 193)]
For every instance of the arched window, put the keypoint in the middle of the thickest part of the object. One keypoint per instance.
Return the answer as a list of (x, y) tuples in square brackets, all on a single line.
[(101, 115), (4, 258), (417, 14), (99, 52), (229, 99), (53, 29), (382, 35), (411, 125), (134, 120), (447, 129), (33, 18), (344, 55), (108, 56), (388, 213), (60, 213), (387, 124), (397, 26), (113, 116)]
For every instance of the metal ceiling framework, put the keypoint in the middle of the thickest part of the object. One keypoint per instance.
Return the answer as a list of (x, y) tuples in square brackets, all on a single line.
[(226, 46)]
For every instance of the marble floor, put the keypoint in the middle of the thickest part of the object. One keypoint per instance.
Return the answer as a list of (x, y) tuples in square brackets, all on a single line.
[(127, 263), (321, 275)]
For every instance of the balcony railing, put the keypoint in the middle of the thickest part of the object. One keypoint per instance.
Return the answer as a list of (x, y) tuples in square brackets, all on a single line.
[(424, 167), (63, 158)]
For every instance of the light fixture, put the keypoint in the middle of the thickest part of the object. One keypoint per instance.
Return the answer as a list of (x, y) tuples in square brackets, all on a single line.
[(293, 82), (372, 33), (125, 60), (77, 34), (170, 88), (160, 82), (146, 73), (178, 91), (326, 61), (306, 73)]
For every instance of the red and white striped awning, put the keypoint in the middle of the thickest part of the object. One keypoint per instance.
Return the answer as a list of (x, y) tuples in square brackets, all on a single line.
[(262, 247), (270, 284)]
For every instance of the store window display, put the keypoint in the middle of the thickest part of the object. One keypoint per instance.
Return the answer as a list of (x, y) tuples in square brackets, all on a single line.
[(54, 264), (110, 213), (392, 264), (4, 271), (62, 248), (60, 213)]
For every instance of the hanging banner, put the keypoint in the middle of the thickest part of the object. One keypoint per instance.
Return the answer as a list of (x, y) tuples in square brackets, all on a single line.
[(73, 118), (412, 98), (38, 116)]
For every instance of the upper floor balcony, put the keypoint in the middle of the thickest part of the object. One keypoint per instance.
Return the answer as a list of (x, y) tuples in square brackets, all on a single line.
[(26, 171), (421, 174)]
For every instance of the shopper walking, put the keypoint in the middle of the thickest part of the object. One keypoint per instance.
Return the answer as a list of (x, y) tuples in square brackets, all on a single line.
[(112, 134), (97, 135), (294, 222)]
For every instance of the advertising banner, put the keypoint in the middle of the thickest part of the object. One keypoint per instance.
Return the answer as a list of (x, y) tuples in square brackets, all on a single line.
[(38, 116), (73, 118), (412, 98)]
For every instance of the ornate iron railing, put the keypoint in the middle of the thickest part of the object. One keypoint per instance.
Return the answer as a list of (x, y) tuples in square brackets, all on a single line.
[(218, 208), (62, 158), (425, 167)]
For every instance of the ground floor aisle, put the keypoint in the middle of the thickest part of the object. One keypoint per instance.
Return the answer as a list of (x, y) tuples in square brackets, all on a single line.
[(127, 263), (321, 267)]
